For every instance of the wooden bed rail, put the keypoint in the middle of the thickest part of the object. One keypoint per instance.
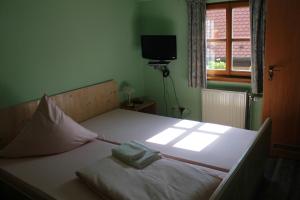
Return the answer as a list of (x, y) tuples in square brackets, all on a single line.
[(243, 180)]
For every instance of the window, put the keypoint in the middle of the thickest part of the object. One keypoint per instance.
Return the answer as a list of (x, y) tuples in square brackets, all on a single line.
[(228, 52)]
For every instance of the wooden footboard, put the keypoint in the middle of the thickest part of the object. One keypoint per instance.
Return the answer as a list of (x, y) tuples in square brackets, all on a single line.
[(243, 180)]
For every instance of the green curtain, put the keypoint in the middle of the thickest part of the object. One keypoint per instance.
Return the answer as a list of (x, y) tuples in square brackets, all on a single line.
[(197, 43), (257, 12)]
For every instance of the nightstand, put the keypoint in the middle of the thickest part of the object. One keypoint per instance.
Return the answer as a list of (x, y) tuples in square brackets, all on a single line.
[(148, 106)]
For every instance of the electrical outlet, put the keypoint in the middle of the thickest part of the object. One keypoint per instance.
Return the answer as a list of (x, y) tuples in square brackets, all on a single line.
[(175, 108), (178, 108), (181, 109)]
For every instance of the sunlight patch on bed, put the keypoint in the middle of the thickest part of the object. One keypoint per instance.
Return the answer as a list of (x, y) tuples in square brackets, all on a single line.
[(196, 141), (166, 136), (214, 128), (186, 124)]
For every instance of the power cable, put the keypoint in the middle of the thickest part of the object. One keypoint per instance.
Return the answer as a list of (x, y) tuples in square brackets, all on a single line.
[(165, 100)]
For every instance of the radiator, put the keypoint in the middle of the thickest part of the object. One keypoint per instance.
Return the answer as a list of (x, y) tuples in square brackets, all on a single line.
[(224, 107)]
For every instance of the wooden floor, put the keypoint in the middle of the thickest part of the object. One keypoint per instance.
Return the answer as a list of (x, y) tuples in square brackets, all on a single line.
[(282, 180)]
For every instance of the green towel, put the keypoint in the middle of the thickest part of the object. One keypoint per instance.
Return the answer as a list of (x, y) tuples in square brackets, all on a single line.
[(148, 157), (141, 146), (127, 152)]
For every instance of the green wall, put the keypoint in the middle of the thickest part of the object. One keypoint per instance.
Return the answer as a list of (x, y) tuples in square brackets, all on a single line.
[(50, 46), (170, 17)]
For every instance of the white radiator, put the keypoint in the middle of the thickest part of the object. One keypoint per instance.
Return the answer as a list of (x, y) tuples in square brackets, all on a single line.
[(224, 107)]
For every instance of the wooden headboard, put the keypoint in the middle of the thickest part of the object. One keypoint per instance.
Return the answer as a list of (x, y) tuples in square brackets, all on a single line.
[(80, 104)]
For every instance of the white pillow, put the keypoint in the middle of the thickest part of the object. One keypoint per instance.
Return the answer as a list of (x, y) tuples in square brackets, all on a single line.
[(50, 131)]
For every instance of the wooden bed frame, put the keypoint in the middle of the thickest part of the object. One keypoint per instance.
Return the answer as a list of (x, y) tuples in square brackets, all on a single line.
[(80, 104), (240, 183), (244, 179)]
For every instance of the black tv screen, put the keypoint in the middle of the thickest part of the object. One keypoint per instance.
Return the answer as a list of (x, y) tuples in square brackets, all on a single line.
[(159, 47)]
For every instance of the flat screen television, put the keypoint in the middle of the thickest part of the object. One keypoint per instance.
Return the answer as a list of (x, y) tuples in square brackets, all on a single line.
[(159, 47)]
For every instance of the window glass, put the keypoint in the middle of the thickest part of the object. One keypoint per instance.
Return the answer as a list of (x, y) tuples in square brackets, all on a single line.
[(241, 56), (241, 22), (216, 24), (216, 55), (241, 46)]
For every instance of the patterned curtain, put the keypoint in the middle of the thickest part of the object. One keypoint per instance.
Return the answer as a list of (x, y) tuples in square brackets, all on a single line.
[(257, 12), (196, 43)]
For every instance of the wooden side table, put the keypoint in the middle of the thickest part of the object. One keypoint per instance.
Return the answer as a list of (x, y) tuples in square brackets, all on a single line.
[(148, 106)]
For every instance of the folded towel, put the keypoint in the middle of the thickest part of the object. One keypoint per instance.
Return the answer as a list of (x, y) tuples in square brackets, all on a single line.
[(149, 157), (141, 146), (146, 158), (128, 152)]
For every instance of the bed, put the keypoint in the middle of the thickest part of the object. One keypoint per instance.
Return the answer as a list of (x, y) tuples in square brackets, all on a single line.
[(55, 177), (96, 107), (217, 146)]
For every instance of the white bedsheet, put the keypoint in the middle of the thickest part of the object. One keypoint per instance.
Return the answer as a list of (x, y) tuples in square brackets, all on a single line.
[(164, 179), (54, 176), (211, 144)]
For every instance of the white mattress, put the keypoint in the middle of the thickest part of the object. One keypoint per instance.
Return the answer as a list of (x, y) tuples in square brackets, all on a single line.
[(53, 177), (209, 144)]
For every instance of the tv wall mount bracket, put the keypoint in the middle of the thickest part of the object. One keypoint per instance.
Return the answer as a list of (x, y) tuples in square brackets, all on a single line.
[(161, 65)]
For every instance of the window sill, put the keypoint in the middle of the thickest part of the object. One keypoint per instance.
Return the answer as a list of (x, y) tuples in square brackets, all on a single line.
[(240, 79)]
